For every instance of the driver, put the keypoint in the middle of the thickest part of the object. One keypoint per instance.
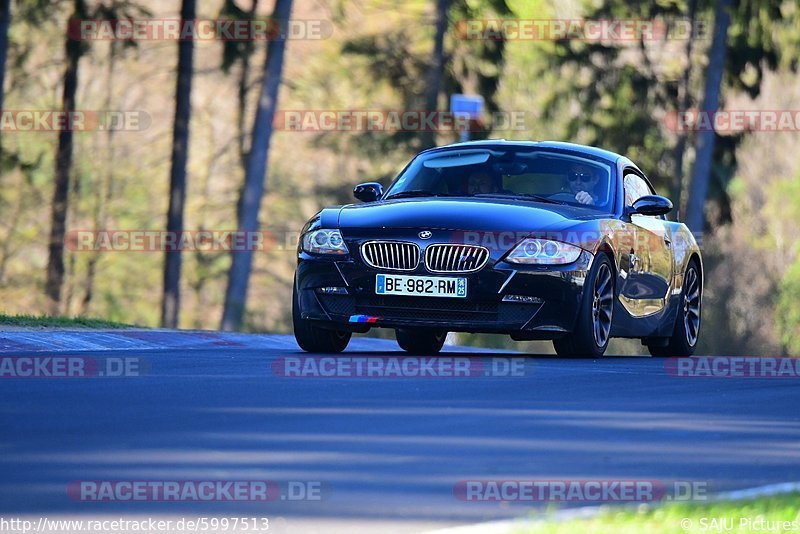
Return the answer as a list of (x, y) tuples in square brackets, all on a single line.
[(480, 182), (582, 181)]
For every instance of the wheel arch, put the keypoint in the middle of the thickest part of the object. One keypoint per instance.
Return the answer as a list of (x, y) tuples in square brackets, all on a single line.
[(673, 314), (694, 256), (605, 247)]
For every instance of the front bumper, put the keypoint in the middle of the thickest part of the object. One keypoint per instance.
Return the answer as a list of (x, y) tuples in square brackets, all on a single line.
[(558, 291)]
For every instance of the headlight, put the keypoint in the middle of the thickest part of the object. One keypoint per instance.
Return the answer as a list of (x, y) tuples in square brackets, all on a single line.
[(543, 252), (324, 242)]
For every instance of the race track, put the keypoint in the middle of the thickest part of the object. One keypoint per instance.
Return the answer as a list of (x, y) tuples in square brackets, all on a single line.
[(384, 449)]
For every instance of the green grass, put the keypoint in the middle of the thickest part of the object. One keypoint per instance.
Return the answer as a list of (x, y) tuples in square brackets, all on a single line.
[(681, 518), (33, 321)]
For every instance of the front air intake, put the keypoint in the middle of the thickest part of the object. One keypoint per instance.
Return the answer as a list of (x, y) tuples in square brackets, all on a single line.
[(394, 255), (446, 258)]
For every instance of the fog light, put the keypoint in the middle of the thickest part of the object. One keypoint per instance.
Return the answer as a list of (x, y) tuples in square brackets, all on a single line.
[(332, 290), (523, 299)]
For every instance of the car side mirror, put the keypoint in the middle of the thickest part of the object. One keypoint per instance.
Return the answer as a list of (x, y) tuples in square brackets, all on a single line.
[(368, 192), (651, 205)]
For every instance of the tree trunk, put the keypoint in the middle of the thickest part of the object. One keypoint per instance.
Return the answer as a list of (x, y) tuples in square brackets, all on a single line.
[(6, 248), (701, 174), (256, 173), (177, 185), (244, 85), (684, 101), (5, 20), (55, 262), (434, 85), (106, 186), (241, 117)]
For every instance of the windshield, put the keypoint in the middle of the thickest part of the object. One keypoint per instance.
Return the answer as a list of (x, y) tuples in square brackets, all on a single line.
[(522, 173)]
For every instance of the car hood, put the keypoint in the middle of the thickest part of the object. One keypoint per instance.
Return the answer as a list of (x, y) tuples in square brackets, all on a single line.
[(460, 214)]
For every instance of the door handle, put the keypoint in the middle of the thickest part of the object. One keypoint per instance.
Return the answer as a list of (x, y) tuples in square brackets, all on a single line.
[(667, 240)]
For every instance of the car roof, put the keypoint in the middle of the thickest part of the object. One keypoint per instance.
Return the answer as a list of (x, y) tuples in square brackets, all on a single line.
[(591, 151)]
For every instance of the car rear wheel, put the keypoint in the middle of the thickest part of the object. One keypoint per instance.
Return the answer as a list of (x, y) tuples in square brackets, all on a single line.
[(687, 324), (420, 341), (313, 338), (592, 330)]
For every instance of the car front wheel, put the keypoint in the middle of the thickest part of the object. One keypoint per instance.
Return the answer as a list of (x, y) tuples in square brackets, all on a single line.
[(420, 341), (313, 338), (592, 330), (687, 324)]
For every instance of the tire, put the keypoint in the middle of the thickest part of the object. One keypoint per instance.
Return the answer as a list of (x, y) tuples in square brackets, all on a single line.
[(312, 338), (592, 330), (420, 341), (684, 337)]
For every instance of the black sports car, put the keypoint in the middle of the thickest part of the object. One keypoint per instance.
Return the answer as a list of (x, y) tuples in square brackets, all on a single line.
[(538, 240)]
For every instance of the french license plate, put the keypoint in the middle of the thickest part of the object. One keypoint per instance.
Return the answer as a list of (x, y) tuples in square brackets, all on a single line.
[(420, 286)]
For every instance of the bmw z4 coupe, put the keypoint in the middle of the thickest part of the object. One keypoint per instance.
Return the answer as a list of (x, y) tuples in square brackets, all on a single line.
[(536, 240)]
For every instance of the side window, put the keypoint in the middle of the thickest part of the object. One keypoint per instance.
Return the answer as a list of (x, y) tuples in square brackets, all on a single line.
[(635, 188)]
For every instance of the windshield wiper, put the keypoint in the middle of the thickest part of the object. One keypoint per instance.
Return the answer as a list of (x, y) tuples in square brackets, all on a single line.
[(417, 193), (539, 198)]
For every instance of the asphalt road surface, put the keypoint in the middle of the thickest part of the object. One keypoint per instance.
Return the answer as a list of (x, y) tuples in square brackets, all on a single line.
[(380, 451)]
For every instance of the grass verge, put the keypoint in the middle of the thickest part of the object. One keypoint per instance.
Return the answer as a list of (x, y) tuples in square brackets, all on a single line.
[(779, 513), (33, 321)]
